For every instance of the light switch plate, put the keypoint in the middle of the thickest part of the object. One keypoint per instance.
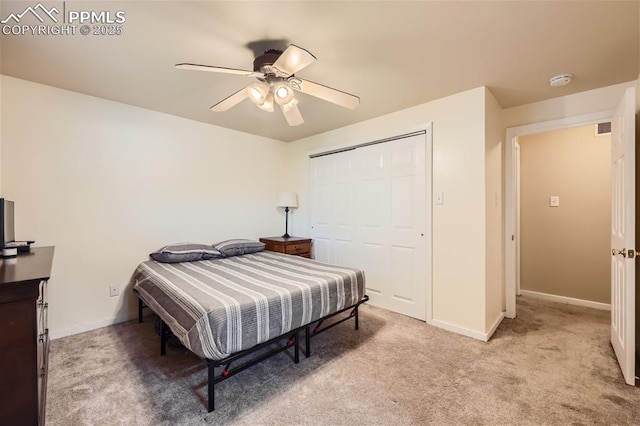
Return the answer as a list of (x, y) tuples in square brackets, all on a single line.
[(438, 198), (554, 201)]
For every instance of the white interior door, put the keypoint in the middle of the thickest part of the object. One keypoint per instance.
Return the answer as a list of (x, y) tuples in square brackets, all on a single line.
[(623, 235), (369, 210)]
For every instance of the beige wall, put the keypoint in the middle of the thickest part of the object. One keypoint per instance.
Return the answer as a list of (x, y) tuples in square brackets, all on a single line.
[(565, 249), (494, 291), (107, 183), (459, 226)]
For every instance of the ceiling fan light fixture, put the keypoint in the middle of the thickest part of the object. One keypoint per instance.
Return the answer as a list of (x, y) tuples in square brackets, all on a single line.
[(258, 93), (283, 93), (267, 105)]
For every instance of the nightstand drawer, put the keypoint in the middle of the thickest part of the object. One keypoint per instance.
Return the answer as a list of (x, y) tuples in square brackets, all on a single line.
[(274, 247), (291, 245), (297, 248)]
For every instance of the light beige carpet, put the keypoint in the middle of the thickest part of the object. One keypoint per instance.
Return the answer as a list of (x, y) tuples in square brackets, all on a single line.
[(551, 365)]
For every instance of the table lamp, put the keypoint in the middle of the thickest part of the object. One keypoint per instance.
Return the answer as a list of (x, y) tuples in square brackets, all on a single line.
[(286, 200)]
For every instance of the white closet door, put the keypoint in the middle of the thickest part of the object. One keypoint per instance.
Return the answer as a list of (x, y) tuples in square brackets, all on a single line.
[(332, 209), (369, 211)]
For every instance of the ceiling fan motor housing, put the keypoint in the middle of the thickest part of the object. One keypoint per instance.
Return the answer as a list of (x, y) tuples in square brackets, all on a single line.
[(266, 60)]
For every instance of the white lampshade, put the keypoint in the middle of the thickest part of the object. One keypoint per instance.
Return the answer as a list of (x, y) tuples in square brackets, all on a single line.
[(287, 199)]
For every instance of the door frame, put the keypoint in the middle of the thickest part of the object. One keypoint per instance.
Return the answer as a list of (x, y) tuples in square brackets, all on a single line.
[(427, 127), (512, 133), (518, 231)]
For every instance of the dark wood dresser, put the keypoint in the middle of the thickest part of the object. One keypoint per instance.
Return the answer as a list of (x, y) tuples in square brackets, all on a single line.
[(291, 245), (24, 337)]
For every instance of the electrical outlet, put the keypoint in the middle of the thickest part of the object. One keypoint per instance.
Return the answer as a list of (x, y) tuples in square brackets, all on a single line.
[(114, 290)]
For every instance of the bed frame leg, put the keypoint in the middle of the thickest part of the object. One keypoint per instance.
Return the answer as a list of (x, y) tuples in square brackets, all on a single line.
[(139, 311), (163, 338), (307, 342), (356, 314), (210, 385), (296, 349)]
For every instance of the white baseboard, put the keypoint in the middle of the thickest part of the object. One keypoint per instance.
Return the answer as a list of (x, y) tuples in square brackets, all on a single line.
[(567, 300), (87, 327), (460, 330), (495, 325)]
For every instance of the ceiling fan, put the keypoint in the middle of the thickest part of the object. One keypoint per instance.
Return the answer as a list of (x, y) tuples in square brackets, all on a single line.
[(275, 71)]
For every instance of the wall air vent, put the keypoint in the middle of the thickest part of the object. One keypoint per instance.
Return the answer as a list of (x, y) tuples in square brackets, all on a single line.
[(603, 128)]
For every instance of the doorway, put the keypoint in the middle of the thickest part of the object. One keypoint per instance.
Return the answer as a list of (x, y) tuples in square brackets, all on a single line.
[(563, 199), (512, 135), (623, 221)]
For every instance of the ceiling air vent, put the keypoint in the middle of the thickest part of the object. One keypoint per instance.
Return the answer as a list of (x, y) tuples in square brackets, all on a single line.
[(603, 128)]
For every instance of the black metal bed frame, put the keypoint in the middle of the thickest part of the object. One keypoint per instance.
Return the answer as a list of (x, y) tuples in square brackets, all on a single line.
[(292, 342)]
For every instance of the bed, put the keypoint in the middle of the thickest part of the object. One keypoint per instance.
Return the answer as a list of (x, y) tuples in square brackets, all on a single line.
[(225, 309)]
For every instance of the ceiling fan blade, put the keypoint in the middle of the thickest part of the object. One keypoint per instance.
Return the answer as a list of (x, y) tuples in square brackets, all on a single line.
[(210, 68), (336, 96), (292, 114), (231, 101), (294, 59)]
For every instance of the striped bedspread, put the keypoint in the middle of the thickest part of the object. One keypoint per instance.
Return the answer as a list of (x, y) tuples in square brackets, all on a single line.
[(223, 306)]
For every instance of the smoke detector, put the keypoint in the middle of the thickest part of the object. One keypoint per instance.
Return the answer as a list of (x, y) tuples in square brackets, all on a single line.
[(560, 80)]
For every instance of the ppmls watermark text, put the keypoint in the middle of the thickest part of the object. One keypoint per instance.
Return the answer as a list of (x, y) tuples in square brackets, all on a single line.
[(40, 20)]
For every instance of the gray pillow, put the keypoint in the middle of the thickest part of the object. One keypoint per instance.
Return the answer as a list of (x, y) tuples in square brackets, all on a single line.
[(238, 247), (185, 252)]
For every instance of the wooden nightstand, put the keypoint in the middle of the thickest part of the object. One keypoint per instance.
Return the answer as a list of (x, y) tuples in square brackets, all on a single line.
[(292, 245)]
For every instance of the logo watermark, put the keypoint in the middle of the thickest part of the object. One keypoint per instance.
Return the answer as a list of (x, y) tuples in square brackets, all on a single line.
[(40, 20)]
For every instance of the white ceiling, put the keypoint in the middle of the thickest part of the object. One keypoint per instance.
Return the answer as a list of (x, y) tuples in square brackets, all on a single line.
[(392, 54)]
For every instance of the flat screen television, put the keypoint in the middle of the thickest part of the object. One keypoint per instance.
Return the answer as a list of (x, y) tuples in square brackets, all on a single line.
[(7, 229)]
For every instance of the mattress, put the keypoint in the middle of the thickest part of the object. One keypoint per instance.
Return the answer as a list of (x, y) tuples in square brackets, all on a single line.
[(219, 307)]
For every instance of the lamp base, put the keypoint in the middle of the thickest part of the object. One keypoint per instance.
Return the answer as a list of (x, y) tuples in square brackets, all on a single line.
[(286, 223)]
